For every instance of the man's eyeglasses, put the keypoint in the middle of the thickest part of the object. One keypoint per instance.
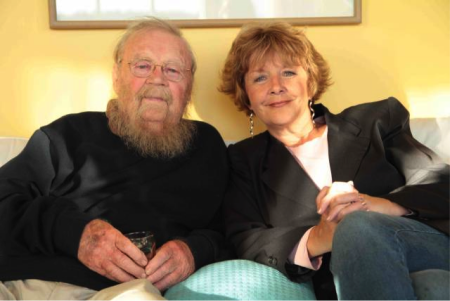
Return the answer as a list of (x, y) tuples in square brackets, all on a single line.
[(172, 71)]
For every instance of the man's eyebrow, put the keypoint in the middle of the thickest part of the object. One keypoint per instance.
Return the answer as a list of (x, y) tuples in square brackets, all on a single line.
[(139, 57), (146, 58)]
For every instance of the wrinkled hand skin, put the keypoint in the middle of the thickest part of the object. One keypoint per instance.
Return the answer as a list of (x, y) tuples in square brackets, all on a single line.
[(108, 252), (172, 263)]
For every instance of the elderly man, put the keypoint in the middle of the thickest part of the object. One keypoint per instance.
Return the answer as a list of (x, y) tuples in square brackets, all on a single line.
[(86, 179)]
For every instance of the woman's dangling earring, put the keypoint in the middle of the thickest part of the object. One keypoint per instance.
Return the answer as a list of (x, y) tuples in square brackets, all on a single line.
[(251, 124), (312, 112)]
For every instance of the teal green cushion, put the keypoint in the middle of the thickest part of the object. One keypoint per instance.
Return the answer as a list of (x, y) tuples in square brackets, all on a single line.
[(239, 280)]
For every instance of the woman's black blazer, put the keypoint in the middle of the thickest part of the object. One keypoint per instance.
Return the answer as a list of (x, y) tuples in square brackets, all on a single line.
[(270, 202)]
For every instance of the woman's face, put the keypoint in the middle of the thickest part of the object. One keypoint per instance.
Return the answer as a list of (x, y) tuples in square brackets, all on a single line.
[(278, 94)]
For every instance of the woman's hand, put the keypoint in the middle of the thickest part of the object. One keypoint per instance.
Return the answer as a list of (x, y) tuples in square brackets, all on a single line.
[(321, 237), (384, 206), (342, 199), (339, 200), (333, 203)]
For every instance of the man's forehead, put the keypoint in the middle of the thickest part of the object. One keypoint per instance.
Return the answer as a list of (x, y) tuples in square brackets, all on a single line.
[(153, 37), (156, 40)]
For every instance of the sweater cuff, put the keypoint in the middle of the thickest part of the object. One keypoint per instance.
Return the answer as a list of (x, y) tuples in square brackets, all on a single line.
[(68, 230), (201, 249)]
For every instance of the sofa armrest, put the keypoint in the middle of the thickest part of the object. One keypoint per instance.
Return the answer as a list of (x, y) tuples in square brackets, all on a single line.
[(433, 133), (10, 147)]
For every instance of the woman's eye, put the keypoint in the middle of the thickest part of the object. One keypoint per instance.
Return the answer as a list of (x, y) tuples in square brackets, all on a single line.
[(288, 73), (260, 78)]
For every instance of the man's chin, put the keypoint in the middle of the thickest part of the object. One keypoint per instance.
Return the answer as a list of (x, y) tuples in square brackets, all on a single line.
[(150, 137), (154, 128), (153, 112), (162, 140)]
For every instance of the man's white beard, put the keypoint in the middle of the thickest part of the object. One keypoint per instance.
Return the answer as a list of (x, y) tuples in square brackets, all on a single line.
[(173, 140)]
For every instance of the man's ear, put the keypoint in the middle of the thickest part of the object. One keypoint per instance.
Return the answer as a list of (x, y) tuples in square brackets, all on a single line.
[(115, 77)]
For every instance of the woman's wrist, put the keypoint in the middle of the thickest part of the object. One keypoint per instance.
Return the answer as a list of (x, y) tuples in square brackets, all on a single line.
[(318, 242)]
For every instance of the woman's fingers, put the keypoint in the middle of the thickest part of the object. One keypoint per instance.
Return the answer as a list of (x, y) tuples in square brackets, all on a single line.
[(340, 202), (328, 195), (349, 208)]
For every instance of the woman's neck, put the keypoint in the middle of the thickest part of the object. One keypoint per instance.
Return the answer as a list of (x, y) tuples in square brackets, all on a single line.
[(297, 135)]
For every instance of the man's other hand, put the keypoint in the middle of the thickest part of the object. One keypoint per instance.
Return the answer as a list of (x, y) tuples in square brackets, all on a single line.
[(172, 264), (106, 251)]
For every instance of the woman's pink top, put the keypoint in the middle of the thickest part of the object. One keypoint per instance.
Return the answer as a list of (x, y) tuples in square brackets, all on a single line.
[(313, 157)]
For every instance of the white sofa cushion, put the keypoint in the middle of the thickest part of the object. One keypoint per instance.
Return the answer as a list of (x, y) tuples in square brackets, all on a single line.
[(10, 147), (434, 133)]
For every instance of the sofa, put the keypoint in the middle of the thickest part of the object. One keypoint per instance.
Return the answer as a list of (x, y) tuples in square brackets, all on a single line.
[(10, 147), (242, 279), (433, 132)]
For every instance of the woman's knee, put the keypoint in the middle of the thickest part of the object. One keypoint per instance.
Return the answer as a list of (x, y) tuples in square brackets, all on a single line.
[(362, 228)]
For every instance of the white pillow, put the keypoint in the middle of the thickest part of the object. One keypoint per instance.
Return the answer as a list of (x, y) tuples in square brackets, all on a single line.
[(10, 147), (434, 133)]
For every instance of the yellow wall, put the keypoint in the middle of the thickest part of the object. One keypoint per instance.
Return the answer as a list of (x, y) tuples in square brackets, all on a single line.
[(402, 48)]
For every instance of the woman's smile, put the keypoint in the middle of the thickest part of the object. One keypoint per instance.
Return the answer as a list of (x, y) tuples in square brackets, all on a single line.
[(280, 103)]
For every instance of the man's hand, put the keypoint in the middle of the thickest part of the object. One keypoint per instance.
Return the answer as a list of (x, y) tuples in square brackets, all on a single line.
[(173, 263), (106, 251)]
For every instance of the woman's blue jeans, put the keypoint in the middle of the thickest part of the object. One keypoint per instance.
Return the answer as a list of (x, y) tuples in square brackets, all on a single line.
[(374, 254)]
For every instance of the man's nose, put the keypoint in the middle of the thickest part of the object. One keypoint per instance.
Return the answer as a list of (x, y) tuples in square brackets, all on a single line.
[(156, 75)]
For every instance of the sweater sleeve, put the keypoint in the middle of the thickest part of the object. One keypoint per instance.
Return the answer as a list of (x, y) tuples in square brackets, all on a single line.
[(207, 242), (32, 219), (207, 246)]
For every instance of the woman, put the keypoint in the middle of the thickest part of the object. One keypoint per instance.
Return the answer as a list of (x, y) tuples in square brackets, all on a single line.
[(356, 184)]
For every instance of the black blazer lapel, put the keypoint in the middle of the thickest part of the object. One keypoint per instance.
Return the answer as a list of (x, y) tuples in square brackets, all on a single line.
[(284, 176), (346, 148)]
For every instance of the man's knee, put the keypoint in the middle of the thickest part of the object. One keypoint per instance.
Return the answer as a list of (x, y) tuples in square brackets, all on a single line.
[(35, 289), (138, 289)]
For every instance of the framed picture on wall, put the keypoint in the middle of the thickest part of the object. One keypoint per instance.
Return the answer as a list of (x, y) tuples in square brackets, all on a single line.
[(97, 14)]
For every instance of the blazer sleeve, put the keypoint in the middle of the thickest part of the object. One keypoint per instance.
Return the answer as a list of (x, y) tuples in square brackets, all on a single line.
[(426, 189), (249, 228), (32, 220)]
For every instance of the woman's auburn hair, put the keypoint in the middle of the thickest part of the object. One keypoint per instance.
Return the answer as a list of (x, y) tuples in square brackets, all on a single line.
[(256, 43)]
